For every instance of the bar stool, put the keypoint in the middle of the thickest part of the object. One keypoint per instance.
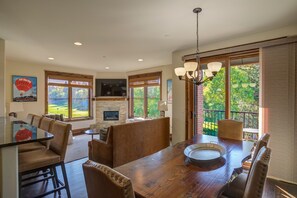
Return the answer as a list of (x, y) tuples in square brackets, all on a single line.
[(45, 124), (40, 160)]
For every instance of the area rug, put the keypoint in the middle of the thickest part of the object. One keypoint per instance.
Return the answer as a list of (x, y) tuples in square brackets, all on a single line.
[(78, 149)]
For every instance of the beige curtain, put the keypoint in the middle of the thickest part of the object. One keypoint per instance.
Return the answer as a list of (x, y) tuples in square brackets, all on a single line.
[(279, 105)]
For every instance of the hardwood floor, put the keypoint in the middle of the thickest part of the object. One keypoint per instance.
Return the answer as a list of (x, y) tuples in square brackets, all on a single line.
[(78, 188)]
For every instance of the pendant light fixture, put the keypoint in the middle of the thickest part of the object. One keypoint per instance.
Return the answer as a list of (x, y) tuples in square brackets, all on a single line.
[(192, 70)]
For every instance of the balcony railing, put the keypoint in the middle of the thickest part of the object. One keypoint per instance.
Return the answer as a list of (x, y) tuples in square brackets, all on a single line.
[(211, 117)]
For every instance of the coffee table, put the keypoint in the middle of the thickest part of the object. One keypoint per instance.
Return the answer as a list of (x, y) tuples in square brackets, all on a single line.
[(92, 132)]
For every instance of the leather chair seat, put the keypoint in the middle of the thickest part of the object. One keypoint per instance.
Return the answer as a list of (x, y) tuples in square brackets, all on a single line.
[(37, 159), (31, 147), (236, 187)]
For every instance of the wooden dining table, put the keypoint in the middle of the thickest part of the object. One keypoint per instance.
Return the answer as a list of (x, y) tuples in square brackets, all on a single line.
[(169, 173)]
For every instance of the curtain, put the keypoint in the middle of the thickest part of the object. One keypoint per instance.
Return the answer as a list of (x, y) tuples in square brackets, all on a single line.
[(278, 104)]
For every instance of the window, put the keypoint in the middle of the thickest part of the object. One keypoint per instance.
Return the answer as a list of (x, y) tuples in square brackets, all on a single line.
[(145, 92), (68, 94), (232, 94)]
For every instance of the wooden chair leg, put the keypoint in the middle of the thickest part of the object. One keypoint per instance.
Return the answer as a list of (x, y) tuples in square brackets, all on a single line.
[(65, 179)]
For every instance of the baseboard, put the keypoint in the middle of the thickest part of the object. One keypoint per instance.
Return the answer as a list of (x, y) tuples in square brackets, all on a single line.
[(282, 180), (79, 131)]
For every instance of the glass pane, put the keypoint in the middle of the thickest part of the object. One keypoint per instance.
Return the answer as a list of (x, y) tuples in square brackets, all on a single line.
[(58, 100), (80, 102), (138, 98), (156, 81), (245, 94), (80, 83), (136, 83), (58, 81), (213, 103), (153, 97)]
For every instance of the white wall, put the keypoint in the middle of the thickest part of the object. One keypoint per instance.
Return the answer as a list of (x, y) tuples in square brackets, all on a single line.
[(2, 77), (2, 98), (33, 69), (111, 75)]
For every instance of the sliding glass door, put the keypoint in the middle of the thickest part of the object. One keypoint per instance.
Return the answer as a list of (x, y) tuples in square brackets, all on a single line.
[(232, 94)]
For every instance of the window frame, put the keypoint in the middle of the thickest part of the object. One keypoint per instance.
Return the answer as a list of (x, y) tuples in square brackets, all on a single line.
[(70, 77), (226, 59), (145, 78)]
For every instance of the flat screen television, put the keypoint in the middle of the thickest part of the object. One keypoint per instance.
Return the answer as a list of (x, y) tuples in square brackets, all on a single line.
[(111, 87)]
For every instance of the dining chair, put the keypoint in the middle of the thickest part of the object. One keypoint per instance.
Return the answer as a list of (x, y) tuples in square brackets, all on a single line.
[(47, 159), (29, 118), (36, 120), (45, 124), (103, 181), (263, 141), (242, 173), (250, 185), (230, 129)]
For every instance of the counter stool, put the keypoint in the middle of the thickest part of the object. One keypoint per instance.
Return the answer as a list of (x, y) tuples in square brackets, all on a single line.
[(40, 160), (45, 124)]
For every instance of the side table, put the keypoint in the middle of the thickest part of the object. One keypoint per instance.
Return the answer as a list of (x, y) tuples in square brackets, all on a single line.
[(92, 132)]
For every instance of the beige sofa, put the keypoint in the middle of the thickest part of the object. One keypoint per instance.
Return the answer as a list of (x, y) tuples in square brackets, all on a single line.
[(130, 141)]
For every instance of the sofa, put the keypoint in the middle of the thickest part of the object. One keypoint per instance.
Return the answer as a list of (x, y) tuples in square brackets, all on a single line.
[(130, 141)]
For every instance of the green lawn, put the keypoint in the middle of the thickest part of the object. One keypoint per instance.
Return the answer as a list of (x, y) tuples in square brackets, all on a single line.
[(55, 109)]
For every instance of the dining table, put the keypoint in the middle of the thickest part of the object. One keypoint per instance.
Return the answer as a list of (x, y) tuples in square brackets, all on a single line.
[(13, 133), (169, 173)]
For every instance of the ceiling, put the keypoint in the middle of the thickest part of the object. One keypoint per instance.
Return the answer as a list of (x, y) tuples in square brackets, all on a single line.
[(115, 33)]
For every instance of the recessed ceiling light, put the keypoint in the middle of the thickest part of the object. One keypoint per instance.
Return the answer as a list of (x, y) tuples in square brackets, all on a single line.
[(50, 58), (140, 60), (106, 67), (78, 43)]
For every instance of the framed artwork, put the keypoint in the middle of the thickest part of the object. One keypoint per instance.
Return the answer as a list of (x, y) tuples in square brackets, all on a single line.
[(24, 88), (169, 91)]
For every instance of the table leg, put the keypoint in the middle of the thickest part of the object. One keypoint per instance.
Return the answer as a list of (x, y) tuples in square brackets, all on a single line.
[(92, 136), (9, 177)]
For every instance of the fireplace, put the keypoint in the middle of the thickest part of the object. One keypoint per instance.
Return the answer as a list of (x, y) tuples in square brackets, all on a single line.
[(110, 115)]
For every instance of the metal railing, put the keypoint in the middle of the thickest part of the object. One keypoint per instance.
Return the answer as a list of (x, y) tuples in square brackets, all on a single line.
[(211, 117)]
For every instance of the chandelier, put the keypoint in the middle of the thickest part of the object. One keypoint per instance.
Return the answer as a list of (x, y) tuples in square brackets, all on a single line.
[(192, 70)]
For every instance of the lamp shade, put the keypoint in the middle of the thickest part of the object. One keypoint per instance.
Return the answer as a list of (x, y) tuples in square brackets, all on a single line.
[(214, 66), (208, 73), (190, 66), (162, 106), (180, 71), (16, 107)]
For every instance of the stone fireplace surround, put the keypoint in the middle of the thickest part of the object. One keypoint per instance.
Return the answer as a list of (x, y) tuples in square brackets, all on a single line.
[(120, 105)]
